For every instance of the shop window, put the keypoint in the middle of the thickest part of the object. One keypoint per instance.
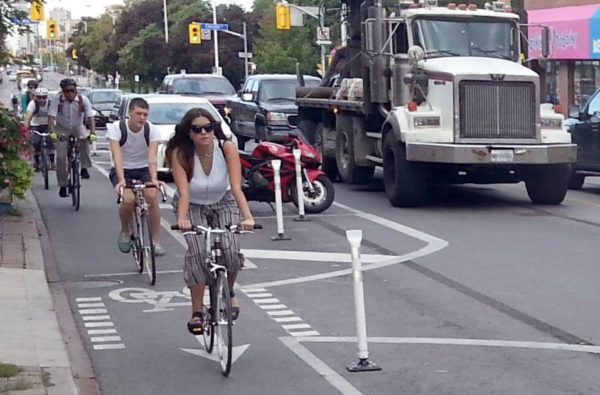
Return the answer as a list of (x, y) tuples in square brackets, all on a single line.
[(552, 92), (587, 74)]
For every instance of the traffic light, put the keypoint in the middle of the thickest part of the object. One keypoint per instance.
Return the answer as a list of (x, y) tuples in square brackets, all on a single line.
[(74, 54), (283, 17), (195, 34), (36, 13), (52, 26)]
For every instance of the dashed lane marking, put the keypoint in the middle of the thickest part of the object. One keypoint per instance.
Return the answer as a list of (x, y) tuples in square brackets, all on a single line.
[(107, 337)]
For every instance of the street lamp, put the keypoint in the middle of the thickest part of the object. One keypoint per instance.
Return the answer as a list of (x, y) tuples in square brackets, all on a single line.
[(166, 24)]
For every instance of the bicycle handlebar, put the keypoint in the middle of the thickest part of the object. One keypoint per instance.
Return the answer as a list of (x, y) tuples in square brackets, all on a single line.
[(198, 229), (142, 186), (40, 133)]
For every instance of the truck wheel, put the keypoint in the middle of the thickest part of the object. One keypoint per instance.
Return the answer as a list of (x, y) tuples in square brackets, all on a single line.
[(576, 182), (405, 182), (349, 172), (328, 164), (547, 184)]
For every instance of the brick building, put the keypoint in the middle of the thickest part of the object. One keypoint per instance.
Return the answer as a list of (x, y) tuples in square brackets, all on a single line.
[(572, 72)]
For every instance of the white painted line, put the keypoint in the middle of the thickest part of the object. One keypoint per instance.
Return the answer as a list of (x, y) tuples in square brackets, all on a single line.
[(260, 295), (304, 333), (104, 339), (287, 319), (248, 291), (94, 299), (95, 317), (266, 301), (295, 326), (249, 265), (101, 331), (459, 342), (100, 169), (166, 206), (93, 311), (98, 324), (280, 313), (320, 367), (273, 307), (129, 273), (118, 346), (88, 305), (312, 256), (102, 162)]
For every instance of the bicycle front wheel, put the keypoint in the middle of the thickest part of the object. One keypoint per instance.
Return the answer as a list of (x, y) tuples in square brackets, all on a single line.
[(148, 248), (75, 185), (44, 164), (224, 324), (209, 321), (136, 244)]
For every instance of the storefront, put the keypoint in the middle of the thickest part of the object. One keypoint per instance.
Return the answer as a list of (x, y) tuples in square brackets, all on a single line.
[(572, 71)]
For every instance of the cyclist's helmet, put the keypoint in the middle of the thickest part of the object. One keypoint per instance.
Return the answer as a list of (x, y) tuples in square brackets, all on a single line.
[(41, 92), (32, 84), (67, 82)]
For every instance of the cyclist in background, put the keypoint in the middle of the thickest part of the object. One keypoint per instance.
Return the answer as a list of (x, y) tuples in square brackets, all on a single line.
[(36, 117), (134, 147), (28, 96), (65, 117), (207, 171)]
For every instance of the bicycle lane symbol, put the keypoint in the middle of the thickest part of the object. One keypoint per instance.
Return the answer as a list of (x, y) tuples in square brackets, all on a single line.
[(159, 300)]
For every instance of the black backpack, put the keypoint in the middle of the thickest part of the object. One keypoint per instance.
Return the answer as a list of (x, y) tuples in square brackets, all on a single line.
[(123, 128)]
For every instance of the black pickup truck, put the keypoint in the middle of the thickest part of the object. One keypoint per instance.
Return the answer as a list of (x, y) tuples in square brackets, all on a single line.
[(265, 106), (584, 126)]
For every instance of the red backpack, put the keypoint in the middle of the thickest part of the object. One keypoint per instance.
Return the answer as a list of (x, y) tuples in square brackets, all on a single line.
[(61, 103)]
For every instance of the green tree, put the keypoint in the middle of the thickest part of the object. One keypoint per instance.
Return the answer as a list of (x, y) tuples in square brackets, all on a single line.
[(8, 15)]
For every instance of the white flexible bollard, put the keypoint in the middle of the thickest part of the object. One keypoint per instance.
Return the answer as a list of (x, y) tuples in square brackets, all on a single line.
[(94, 148), (299, 186), (276, 164), (363, 364)]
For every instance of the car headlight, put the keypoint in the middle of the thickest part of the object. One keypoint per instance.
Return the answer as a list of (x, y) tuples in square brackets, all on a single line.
[(95, 113), (552, 123), (277, 118), (426, 122)]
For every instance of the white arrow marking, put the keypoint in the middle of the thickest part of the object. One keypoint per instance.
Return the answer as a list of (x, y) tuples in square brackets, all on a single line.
[(214, 356)]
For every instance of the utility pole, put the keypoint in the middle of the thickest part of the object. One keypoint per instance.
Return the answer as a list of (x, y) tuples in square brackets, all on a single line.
[(166, 22), (245, 52), (217, 68)]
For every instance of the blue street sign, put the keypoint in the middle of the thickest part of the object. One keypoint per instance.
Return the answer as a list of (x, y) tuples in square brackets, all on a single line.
[(20, 22), (214, 26)]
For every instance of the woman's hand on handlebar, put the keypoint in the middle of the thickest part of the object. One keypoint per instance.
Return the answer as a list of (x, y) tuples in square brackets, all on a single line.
[(247, 224), (184, 225)]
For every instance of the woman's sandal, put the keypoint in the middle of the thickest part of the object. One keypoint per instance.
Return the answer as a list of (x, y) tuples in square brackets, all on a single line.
[(196, 324), (235, 308)]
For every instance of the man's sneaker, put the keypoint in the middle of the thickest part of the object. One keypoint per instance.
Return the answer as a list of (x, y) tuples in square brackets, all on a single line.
[(124, 242), (62, 192), (159, 250), (84, 174)]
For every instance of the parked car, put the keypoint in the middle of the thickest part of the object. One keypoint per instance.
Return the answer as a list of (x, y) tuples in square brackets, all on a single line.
[(584, 126), (84, 90), (214, 88), (103, 101), (166, 111), (266, 106)]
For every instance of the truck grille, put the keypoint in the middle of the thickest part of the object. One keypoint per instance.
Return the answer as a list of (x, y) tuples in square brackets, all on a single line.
[(497, 110)]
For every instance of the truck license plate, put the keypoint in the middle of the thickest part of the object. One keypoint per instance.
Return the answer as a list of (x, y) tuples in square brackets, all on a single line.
[(503, 155)]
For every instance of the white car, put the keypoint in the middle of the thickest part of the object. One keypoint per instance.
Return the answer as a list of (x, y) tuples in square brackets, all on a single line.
[(167, 110)]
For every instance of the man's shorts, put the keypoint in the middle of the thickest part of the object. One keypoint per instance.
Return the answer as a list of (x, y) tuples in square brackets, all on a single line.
[(142, 174)]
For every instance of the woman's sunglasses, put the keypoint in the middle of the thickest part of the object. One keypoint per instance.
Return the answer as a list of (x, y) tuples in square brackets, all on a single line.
[(208, 128)]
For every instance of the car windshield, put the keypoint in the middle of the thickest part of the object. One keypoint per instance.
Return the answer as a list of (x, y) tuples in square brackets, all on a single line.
[(172, 113), (453, 37), (106, 97), (203, 86), (282, 90)]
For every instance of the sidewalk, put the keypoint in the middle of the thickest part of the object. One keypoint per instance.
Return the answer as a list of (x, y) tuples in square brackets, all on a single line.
[(29, 333)]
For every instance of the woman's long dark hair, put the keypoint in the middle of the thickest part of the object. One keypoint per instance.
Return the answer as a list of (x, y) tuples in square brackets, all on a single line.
[(182, 144)]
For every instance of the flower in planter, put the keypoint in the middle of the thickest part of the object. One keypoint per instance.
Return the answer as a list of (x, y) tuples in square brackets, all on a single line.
[(15, 153)]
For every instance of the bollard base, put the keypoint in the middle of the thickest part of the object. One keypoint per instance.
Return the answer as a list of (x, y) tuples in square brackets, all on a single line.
[(363, 365), (280, 237), (301, 218)]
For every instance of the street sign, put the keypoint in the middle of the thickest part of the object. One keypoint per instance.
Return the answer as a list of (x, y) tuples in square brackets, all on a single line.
[(323, 42), (242, 55), (323, 34), (206, 35), (215, 26), (136, 78), (20, 21)]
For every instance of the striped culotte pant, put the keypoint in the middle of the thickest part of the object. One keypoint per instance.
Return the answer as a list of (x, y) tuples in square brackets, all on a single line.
[(216, 215)]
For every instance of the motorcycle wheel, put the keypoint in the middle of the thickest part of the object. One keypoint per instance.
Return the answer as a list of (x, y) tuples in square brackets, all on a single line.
[(320, 200)]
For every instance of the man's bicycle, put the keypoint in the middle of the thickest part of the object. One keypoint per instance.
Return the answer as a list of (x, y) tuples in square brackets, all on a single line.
[(44, 157), (142, 243), (217, 313), (73, 166)]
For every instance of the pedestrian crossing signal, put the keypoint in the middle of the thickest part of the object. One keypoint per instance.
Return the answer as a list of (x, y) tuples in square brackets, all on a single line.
[(195, 33)]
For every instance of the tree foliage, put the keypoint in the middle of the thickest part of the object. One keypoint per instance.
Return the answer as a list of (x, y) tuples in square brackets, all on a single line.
[(8, 15)]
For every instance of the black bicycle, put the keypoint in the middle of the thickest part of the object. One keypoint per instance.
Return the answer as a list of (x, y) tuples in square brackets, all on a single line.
[(142, 244), (217, 313), (44, 157)]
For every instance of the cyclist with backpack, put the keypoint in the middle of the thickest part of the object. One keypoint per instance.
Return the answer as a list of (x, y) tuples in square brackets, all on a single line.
[(36, 117), (65, 117), (134, 149), (28, 96)]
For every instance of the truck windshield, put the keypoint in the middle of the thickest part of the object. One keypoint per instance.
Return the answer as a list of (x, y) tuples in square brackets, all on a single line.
[(453, 37)]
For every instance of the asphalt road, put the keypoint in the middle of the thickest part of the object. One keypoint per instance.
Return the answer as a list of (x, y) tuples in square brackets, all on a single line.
[(479, 292)]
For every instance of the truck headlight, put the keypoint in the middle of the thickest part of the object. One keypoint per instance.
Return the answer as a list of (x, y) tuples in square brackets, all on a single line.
[(426, 122), (277, 118), (552, 123)]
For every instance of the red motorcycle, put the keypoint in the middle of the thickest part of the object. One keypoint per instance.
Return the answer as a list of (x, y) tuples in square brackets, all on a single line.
[(259, 178)]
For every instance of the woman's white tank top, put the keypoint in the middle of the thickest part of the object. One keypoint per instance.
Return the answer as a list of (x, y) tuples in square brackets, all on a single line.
[(209, 189)]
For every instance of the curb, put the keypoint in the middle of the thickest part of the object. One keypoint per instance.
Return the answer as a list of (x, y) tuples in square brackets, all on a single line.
[(80, 375)]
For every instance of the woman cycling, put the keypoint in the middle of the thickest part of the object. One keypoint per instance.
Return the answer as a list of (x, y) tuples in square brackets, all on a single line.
[(36, 117), (207, 172)]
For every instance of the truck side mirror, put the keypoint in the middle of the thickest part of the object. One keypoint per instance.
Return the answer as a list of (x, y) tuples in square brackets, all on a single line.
[(415, 55), (574, 112), (545, 42), (247, 97)]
